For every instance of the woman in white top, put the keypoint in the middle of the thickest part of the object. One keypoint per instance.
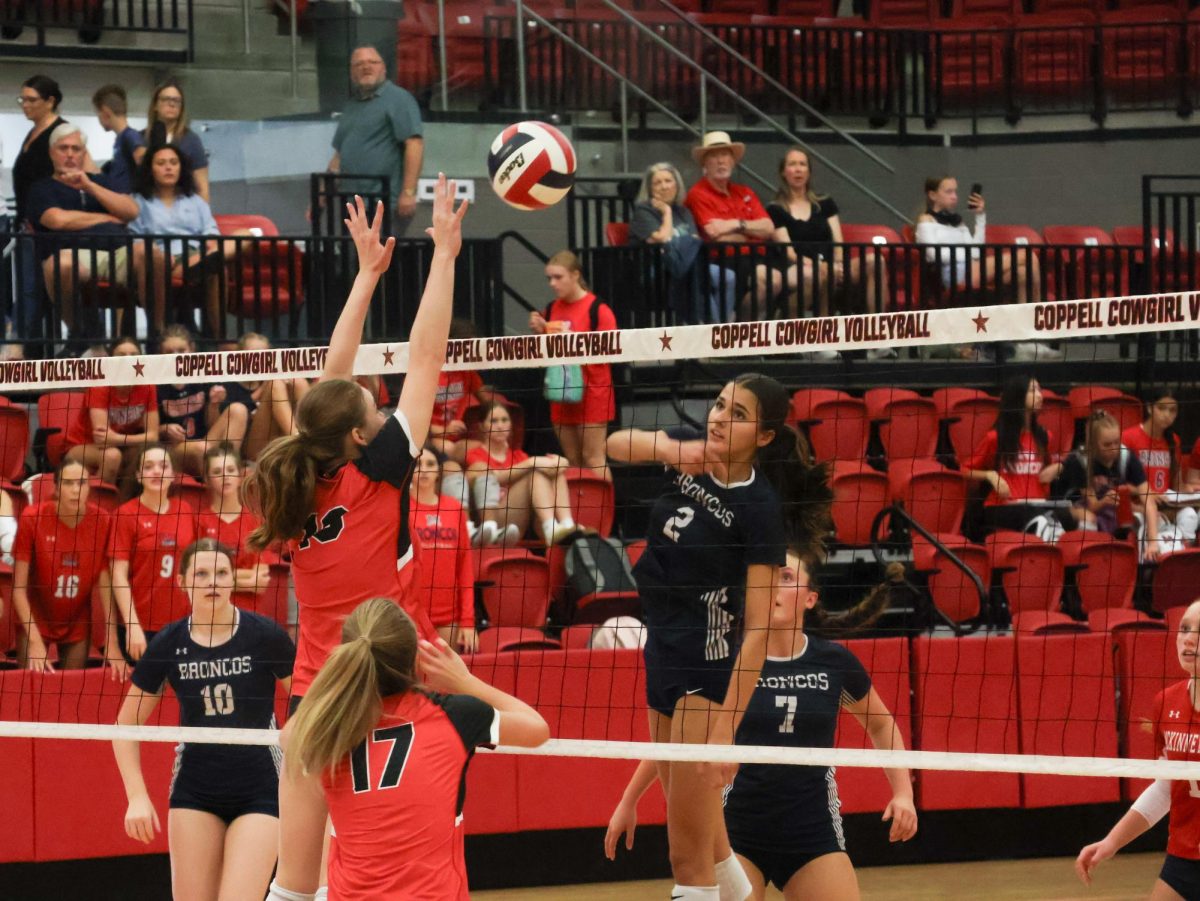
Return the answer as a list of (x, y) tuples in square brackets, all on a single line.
[(940, 224)]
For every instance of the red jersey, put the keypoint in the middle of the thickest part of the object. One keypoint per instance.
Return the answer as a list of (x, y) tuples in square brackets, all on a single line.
[(1177, 737), (1021, 475), (355, 546), (1155, 454), (599, 402), (444, 580), (233, 534), (396, 805), (455, 392), (508, 461), (740, 202), (126, 414), (153, 543), (64, 562)]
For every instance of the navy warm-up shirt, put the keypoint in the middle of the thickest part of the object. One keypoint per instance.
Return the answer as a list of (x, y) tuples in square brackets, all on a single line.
[(231, 686), (795, 704), (703, 535)]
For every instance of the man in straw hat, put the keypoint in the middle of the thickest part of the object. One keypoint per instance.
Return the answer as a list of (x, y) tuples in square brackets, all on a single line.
[(727, 212)]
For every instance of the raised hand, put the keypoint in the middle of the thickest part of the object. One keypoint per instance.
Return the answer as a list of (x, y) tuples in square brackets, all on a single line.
[(374, 256), (446, 230)]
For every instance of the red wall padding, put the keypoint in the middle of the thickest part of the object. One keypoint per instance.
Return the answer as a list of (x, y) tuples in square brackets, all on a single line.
[(1066, 697), (965, 699), (16, 799), (1146, 664)]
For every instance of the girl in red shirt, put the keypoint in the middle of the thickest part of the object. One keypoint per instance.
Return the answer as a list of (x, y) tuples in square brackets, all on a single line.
[(1013, 457), (150, 531), (60, 556), (510, 486), (385, 759), (444, 580), (582, 428)]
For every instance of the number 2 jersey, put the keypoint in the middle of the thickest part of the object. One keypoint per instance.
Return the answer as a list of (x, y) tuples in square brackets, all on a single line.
[(702, 537), (1177, 737), (230, 686), (396, 804), (796, 704), (355, 546)]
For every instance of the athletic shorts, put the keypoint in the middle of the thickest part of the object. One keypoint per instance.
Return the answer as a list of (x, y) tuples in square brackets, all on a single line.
[(121, 644), (778, 867), (236, 393), (61, 627), (264, 801), (668, 679), (1182, 875)]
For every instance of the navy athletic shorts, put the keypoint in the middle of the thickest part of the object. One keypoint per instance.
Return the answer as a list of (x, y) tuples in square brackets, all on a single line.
[(778, 867), (1182, 875), (264, 800), (668, 679)]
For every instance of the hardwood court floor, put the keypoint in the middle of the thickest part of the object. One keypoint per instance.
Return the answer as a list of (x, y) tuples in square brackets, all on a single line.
[(1124, 878)]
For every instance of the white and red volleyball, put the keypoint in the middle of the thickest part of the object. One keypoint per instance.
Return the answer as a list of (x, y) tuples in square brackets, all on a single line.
[(532, 165)]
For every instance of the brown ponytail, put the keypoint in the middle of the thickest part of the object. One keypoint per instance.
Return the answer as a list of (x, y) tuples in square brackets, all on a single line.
[(820, 622)]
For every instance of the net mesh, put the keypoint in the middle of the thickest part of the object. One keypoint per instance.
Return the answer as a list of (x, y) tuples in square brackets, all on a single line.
[(1014, 644)]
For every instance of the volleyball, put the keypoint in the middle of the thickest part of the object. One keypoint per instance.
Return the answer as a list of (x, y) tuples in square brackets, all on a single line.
[(532, 165)]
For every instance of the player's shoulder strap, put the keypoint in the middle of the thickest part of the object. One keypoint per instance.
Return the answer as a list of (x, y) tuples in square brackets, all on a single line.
[(593, 313)]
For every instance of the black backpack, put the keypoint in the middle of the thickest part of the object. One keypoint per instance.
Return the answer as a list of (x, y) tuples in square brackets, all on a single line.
[(596, 565)]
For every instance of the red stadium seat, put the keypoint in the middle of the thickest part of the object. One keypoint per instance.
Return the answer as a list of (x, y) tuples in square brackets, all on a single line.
[(1146, 664), (903, 12), (1052, 55), (970, 418), (1176, 581), (968, 55), (908, 423), (1140, 51), (859, 493), (730, 25), (576, 638), (1065, 694), (40, 487), (189, 490), (8, 625), (903, 261), (14, 440), (810, 8), (1083, 398), (105, 496), (1171, 268), (517, 588), (1057, 418), (965, 700), (591, 498), (1067, 6), (835, 422), (1091, 266), (947, 398), (1032, 575), (1105, 572), (465, 39), (952, 591), (933, 495), (1008, 9), (508, 639), (616, 234), (270, 278), (634, 550), (56, 411), (416, 64)]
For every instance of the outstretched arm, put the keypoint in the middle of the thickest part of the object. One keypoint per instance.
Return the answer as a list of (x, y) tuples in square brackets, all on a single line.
[(374, 257), (431, 328)]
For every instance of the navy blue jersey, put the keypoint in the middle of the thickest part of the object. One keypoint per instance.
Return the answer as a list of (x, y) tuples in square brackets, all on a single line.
[(703, 535), (795, 704), (231, 686), (184, 405)]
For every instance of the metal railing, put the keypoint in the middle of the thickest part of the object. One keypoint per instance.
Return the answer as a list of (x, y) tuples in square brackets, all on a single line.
[(98, 29)]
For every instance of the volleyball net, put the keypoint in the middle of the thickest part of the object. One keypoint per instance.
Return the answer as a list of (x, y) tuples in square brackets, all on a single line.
[(1014, 646)]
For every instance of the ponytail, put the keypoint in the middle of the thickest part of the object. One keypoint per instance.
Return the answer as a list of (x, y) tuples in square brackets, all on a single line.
[(820, 622), (377, 658)]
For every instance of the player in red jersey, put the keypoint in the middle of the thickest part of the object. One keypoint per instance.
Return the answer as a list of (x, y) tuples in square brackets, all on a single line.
[(227, 520), (386, 759), (60, 555), (338, 490), (444, 581), (111, 425), (1176, 737), (149, 533), (1155, 442)]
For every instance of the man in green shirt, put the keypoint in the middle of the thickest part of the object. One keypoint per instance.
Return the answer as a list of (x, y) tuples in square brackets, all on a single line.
[(380, 133)]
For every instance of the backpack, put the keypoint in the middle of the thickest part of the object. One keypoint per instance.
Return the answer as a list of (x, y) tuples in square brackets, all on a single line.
[(564, 384), (596, 565)]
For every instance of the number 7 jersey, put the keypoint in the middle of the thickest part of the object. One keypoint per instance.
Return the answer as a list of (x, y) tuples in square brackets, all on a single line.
[(1177, 737)]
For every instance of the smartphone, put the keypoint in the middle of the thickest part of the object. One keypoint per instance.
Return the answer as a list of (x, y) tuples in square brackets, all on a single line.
[(977, 188)]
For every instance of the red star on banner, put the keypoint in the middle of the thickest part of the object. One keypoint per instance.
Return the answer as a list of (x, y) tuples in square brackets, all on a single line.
[(387, 357), (981, 322), (665, 340), (139, 369)]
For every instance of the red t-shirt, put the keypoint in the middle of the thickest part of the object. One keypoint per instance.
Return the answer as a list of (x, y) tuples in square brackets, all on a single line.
[(508, 461), (233, 534), (707, 203), (126, 414), (1177, 737), (64, 562), (1155, 455), (153, 543), (1022, 476), (444, 579), (355, 546), (396, 806), (455, 392), (599, 403)]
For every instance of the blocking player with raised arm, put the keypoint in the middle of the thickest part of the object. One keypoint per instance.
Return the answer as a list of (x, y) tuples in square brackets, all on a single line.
[(783, 821), (337, 491), (1176, 737), (385, 758), (223, 665), (740, 493)]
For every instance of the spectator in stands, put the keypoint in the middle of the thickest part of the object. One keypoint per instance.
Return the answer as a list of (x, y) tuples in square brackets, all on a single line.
[(510, 487), (39, 100), (440, 529), (191, 417), (225, 519), (114, 422), (726, 212), (129, 146), (80, 221), (1158, 450), (1096, 476), (167, 123), (660, 217), (270, 405), (1014, 458), (379, 134), (61, 556), (457, 392), (582, 426)]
